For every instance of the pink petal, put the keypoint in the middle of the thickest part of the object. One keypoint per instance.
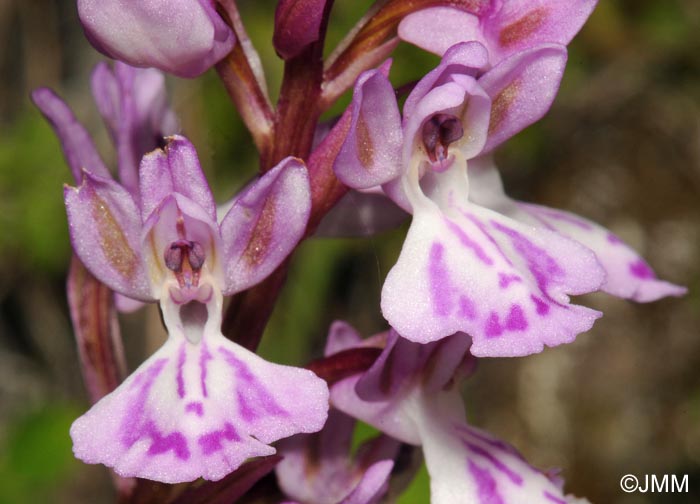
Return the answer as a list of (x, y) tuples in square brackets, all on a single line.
[(174, 169), (438, 28), (183, 37), (522, 88), (105, 230), (78, 148), (264, 225), (504, 284), (371, 152), (198, 408)]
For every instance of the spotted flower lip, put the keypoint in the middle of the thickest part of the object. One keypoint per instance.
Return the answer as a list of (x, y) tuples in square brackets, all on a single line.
[(411, 394), (201, 405), (504, 28), (182, 37)]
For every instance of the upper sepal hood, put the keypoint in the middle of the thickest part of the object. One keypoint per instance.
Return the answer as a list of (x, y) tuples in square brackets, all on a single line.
[(182, 37)]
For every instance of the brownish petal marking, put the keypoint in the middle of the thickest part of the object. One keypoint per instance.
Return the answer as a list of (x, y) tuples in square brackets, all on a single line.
[(519, 30), (262, 234), (501, 104), (365, 147), (112, 239)]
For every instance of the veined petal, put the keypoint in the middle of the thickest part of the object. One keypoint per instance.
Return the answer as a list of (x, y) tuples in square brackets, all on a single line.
[(504, 284), (105, 230), (78, 148), (175, 169), (264, 225), (436, 29), (521, 24), (184, 37), (627, 274), (522, 88), (371, 153), (373, 485), (467, 464), (199, 407)]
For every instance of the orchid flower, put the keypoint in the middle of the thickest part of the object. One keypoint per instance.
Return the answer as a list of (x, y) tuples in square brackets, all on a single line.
[(317, 467), (504, 27), (201, 405), (411, 394), (467, 267), (182, 37)]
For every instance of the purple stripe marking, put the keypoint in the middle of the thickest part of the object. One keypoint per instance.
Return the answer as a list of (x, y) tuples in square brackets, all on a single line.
[(482, 227), (195, 407), (180, 364), (493, 326), (486, 486), (468, 242), (541, 306), (495, 443), (563, 217), (204, 357), (212, 441), (440, 288), (614, 239), (641, 270), (504, 280), (136, 425), (478, 450), (553, 498), (254, 400), (467, 308), (542, 266), (516, 319)]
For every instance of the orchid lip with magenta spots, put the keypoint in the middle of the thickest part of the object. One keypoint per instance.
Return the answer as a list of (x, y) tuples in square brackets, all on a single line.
[(201, 405)]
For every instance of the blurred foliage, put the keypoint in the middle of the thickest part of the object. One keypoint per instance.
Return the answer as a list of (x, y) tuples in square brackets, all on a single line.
[(621, 145)]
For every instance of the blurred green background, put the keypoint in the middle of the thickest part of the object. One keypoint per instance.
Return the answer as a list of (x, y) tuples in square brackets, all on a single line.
[(621, 146)]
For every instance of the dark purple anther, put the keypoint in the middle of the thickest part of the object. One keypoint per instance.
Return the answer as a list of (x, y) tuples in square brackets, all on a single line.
[(438, 133), (196, 255), (173, 257), (185, 259)]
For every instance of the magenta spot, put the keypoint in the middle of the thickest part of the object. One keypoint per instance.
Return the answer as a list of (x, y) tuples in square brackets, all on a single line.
[(132, 426), (212, 441), (195, 407), (174, 441), (486, 486), (541, 306), (254, 400), (180, 364), (614, 239), (466, 308), (493, 326), (553, 498), (204, 357), (440, 287), (640, 269), (468, 242), (516, 319), (504, 279), (514, 477)]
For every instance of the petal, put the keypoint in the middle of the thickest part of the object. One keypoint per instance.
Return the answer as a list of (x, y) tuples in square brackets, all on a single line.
[(264, 225), (373, 485), (105, 230), (521, 24), (341, 336), (184, 37), (627, 273), (199, 407), (505, 284), (522, 88), (175, 169), (469, 465), (436, 29), (371, 153), (78, 148)]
